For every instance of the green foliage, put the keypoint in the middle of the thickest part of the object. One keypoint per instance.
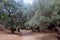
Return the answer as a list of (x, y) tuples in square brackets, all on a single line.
[(41, 11), (45, 11)]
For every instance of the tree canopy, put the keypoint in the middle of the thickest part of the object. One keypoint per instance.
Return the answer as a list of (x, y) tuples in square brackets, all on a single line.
[(24, 14)]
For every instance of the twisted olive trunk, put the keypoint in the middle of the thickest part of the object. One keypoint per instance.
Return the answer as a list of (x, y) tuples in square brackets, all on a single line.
[(12, 28)]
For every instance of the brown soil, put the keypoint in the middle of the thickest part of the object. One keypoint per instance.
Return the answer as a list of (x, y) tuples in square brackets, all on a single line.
[(27, 35)]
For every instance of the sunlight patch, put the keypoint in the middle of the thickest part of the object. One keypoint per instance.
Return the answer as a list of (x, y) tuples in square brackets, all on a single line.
[(28, 1)]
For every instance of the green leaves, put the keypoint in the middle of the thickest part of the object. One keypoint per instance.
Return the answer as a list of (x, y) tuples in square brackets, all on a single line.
[(46, 11), (40, 11)]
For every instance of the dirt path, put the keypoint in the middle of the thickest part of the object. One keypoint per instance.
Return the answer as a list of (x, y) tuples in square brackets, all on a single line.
[(27, 35)]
